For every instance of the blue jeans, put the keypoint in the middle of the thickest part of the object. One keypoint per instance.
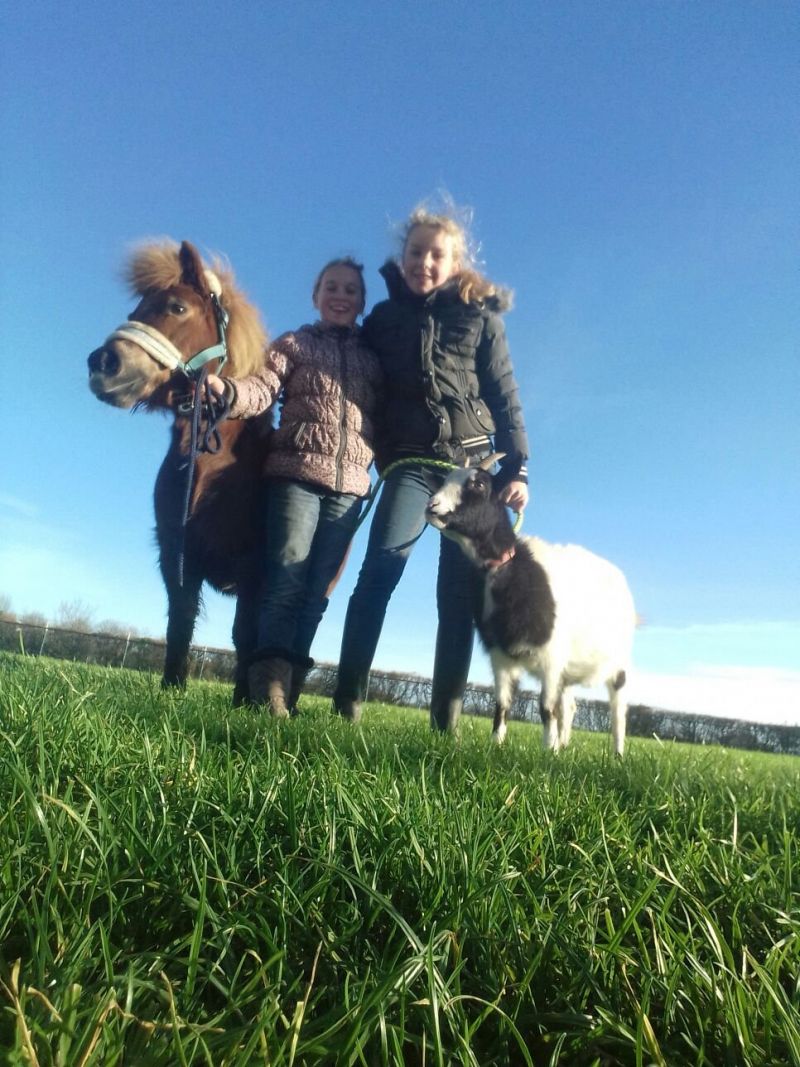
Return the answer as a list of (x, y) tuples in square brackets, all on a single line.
[(397, 525), (308, 531)]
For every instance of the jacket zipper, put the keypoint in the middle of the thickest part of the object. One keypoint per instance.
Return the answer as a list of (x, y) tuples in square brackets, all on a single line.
[(426, 361), (298, 433), (342, 416)]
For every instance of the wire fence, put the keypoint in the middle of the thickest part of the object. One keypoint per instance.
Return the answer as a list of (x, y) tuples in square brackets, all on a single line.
[(397, 688)]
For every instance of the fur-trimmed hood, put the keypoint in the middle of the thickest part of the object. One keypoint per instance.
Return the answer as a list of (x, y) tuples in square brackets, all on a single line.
[(398, 289), (448, 373)]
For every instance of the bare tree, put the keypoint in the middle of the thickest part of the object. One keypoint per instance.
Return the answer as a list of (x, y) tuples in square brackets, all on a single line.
[(74, 615)]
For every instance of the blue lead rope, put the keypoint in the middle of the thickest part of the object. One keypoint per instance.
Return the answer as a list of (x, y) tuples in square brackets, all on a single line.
[(216, 409)]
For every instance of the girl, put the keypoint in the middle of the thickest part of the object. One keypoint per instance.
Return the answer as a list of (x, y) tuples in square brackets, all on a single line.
[(450, 388), (316, 472)]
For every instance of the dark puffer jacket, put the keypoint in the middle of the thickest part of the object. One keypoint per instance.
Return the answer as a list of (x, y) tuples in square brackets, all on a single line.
[(330, 385), (449, 380)]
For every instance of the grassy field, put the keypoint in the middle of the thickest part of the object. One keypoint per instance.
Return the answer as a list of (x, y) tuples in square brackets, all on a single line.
[(184, 884)]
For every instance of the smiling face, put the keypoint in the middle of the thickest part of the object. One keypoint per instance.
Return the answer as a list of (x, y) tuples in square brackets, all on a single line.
[(429, 259), (339, 296)]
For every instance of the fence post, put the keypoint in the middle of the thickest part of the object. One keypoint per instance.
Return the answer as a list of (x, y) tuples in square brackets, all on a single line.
[(202, 663), (44, 637), (125, 653)]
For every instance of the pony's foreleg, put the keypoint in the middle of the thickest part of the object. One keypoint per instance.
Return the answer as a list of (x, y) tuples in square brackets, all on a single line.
[(182, 610), (245, 627)]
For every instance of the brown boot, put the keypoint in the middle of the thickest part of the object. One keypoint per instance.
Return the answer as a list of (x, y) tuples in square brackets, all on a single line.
[(270, 680)]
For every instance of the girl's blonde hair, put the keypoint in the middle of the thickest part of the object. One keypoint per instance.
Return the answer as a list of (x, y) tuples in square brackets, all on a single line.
[(472, 285)]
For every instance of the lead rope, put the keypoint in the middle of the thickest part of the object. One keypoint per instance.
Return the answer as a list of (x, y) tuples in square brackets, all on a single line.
[(216, 409)]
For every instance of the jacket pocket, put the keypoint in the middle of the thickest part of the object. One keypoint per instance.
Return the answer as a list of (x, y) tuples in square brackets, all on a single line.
[(481, 415)]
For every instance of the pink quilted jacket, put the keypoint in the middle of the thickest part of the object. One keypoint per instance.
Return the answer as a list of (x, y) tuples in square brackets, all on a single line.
[(330, 385)]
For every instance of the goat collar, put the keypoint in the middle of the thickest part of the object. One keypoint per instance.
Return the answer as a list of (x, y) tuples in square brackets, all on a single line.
[(496, 564)]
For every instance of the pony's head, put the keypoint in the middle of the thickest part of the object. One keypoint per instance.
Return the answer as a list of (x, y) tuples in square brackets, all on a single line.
[(177, 316)]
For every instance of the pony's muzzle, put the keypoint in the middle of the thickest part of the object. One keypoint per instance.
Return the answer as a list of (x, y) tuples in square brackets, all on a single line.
[(104, 361)]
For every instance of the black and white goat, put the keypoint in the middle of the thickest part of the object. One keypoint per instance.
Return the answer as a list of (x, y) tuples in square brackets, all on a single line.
[(557, 611)]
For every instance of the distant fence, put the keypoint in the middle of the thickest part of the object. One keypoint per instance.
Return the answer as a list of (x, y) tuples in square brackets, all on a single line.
[(405, 690)]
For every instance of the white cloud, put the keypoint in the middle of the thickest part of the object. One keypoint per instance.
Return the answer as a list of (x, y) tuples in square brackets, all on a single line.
[(20, 507), (760, 694)]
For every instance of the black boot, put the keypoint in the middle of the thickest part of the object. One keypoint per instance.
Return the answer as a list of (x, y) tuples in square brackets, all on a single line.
[(348, 709), (351, 688), (301, 668), (445, 714)]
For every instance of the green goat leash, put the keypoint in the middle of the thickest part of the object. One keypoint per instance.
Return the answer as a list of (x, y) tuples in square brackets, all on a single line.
[(414, 461)]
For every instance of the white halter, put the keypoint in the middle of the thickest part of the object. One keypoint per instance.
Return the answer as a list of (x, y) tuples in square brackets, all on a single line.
[(154, 343), (159, 347)]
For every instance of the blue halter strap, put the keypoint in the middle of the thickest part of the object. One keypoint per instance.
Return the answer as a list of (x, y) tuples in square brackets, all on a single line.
[(192, 367)]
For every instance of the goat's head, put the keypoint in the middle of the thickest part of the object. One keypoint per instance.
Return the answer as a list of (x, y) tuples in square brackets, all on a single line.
[(466, 504), (462, 490)]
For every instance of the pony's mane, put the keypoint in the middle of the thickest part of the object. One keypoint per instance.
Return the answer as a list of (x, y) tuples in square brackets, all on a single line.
[(156, 265)]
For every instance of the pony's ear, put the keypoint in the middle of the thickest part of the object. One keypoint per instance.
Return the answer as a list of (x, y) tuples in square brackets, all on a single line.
[(193, 272)]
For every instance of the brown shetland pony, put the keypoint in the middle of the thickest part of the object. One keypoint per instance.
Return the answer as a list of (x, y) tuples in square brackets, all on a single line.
[(219, 545)]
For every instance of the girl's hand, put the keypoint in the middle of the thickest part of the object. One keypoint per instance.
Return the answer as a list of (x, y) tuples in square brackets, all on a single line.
[(215, 385), (515, 496)]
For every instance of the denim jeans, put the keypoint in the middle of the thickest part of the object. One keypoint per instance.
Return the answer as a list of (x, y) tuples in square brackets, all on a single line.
[(397, 525), (308, 531)]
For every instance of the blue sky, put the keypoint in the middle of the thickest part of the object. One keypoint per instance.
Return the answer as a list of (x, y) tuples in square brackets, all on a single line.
[(633, 170)]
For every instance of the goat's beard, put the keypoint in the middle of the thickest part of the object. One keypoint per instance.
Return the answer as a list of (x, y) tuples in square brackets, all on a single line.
[(436, 521)]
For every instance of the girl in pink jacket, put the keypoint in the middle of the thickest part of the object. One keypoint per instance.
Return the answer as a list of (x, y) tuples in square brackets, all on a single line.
[(316, 472)]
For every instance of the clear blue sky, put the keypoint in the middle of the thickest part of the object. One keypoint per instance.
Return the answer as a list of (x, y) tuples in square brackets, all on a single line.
[(634, 173)]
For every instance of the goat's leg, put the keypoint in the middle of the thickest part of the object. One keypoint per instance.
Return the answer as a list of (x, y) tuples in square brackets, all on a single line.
[(550, 712), (567, 714), (618, 708), (499, 726), (504, 680)]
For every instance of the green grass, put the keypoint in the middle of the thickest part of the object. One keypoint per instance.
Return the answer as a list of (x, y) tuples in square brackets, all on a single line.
[(185, 884)]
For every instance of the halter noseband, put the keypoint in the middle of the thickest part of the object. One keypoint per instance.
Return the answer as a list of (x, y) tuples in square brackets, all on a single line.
[(163, 351)]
